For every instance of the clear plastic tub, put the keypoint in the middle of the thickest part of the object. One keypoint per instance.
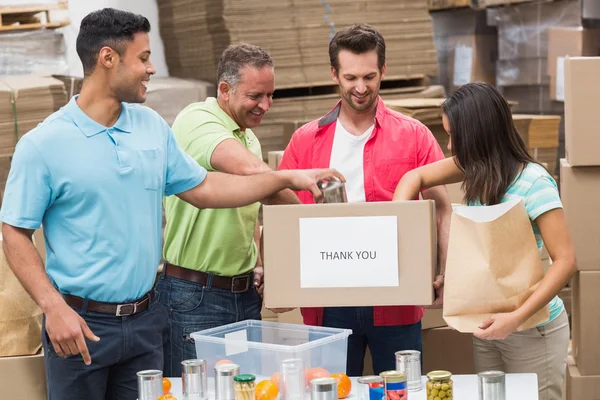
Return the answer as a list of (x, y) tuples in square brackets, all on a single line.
[(259, 347)]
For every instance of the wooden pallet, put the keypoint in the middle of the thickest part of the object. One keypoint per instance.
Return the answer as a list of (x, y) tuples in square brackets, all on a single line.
[(15, 18)]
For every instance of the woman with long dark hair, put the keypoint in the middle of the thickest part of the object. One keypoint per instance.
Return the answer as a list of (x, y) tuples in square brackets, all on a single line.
[(489, 157)]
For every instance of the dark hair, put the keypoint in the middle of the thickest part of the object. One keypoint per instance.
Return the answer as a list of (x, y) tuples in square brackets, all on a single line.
[(235, 57), (107, 27), (486, 143), (358, 39)]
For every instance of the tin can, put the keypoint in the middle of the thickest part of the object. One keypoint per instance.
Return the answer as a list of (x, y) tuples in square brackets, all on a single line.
[(394, 383), (324, 389), (333, 190), (409, 362), (194, 381), (224, 375), (150, 384), (491, 385), (370, 388)]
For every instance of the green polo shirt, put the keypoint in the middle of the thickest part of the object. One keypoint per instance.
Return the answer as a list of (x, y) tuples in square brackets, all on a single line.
[(218, 241)]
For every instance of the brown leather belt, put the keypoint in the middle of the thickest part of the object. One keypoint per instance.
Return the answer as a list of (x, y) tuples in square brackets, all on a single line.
[(118, 310), (237, 284)]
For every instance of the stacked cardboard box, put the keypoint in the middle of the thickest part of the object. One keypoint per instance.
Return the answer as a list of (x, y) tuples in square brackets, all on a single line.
[(580, 188), (523, 51), (296, 33), (467, 47), (168, 96)]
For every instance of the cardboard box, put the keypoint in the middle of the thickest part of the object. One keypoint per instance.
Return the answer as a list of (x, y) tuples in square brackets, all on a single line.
[(572, 42), (449, 350), (582, 95), (580, 190), (311, 254), (274, 159), (23, 377), (581, 387), (586, 321), (590, 13), (433, 319)]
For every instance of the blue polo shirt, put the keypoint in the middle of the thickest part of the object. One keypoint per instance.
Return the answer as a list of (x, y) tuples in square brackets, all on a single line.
[(98, 193)]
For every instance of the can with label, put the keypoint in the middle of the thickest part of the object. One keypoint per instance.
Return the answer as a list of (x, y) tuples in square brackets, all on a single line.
[(370, 388), (394, 384)]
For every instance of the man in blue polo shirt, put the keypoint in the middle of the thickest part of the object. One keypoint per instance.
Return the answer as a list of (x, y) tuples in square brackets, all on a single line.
[(94, 174)]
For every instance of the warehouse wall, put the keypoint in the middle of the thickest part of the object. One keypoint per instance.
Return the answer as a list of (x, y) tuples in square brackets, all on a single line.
[(78, 9)]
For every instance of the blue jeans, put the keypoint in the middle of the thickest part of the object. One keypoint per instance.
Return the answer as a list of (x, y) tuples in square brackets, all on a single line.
[(383, 341), (127, 345), (194, 307)]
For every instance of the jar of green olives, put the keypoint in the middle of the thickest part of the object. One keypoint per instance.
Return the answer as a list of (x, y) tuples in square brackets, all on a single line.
[(439, 385)]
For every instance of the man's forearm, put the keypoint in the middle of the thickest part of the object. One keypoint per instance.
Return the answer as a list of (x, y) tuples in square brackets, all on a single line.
[(286, 196), (27, 265), (219, 190)]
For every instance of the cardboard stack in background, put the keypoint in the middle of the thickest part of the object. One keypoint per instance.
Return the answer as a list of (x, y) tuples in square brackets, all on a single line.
[(580, 189), (467, 47), (523, 50), (33, 52), (297, 35)]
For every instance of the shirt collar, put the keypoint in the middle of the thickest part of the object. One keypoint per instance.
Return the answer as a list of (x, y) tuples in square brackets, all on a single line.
[(89, 127), (213, 106), (333, 115)]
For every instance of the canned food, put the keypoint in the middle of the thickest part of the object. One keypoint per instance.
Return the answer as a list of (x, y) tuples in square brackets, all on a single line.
[(409, 362), (370, 388), (395, 387), (333, 190), (324, 389)]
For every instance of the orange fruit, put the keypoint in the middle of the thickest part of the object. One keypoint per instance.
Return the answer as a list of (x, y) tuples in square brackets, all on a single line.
[(344, 385), (167, 397), (266, 390), (275, 379), (222, 362), (166, 385), (315, 373)]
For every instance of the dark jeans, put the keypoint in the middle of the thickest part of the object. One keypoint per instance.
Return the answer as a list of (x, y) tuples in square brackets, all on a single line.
[(127, 345), (192, 308), (383, 341)]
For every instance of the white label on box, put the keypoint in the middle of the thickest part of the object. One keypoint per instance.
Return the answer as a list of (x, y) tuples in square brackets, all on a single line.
[(349, 252), (560, 79), (463, 65), (236, 348)]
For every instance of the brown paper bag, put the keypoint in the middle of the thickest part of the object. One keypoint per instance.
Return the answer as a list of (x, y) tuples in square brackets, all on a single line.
[(20, 316), (493, 265)]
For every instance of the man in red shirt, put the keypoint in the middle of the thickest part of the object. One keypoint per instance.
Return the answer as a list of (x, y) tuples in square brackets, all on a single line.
[(372, 146)]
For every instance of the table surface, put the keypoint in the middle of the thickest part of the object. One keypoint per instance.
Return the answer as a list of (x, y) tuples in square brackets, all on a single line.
[(518, 387)]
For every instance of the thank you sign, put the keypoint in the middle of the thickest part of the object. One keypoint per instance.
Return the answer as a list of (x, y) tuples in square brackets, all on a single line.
[(349, 252)]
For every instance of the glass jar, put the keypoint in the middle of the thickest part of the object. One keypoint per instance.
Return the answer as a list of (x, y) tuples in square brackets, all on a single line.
[(244, 386), (439, 385)]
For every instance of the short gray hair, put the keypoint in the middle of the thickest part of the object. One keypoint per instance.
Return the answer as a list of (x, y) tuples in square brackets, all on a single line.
[(235, 57)]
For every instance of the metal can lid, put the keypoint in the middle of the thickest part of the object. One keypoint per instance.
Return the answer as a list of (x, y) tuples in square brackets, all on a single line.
[(491, 376), (393, 376), (370, 379), (409, 354), (439, 375), (244, 378), (324, 384)]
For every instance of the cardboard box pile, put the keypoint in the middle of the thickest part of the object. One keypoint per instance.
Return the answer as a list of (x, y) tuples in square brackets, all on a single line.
[(467, 47), (522, 68), (297, 34), (168, 96), (25, 101), (541, 136), (580, 188), (41, 51)]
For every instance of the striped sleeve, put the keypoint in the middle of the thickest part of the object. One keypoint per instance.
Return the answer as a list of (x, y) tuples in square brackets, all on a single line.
[(542, 197)]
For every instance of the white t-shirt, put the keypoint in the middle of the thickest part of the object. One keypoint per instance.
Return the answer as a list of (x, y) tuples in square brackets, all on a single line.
[(347, 156)]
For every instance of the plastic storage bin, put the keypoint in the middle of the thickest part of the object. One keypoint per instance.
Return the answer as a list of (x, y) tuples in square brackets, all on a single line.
[(259, 347)]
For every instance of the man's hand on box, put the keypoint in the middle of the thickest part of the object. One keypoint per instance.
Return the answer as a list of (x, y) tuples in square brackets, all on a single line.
[(259, 283), (280, 310)]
